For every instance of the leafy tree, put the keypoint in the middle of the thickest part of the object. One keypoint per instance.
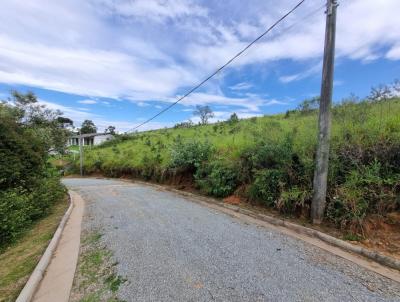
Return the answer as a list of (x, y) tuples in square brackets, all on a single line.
[(65, 122), (110, 130), (28, 187), (233, 119), (49, 125), (204, 112), (88, 127)]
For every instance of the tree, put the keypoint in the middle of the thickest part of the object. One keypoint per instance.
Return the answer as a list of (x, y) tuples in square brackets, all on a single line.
[(396, 87), (379, 93), (88, 127), (233, 119), (47, 124), (65, 122), (28, 188), (204, 112), (110, 130)]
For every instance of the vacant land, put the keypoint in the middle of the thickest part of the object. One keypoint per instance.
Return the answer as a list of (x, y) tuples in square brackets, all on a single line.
[(269, 161), (19, 259)]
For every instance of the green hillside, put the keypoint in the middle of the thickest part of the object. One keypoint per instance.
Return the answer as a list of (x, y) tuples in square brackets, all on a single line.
[(269, 160)]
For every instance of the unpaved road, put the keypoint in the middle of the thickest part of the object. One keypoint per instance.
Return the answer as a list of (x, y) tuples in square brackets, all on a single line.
[(172, 249)]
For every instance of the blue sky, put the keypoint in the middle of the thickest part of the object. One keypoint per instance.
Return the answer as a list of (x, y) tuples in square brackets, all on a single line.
[(118, 62)]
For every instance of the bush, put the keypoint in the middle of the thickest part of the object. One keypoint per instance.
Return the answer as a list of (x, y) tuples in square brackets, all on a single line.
[(267, 186), (189, 155), (294, 200), (217, 178), (20, 207), (14, 213), (28, 188), (270, 155), (364, 191)]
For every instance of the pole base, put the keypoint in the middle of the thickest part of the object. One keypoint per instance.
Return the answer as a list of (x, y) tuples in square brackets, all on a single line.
[(317, 221)]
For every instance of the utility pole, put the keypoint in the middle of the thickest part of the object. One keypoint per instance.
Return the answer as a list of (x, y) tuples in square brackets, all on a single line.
[(81, 152), (324, 122)]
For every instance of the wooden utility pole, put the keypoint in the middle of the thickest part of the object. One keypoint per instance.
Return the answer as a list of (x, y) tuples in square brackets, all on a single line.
[(324, 122), (81, 152)]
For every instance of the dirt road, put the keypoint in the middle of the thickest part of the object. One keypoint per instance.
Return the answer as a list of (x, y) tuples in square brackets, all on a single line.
[(172, 249)]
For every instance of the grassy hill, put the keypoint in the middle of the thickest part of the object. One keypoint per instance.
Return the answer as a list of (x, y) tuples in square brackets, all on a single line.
[(270, 160)]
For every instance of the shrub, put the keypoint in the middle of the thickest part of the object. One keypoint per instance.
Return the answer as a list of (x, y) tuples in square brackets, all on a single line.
[(20, 207), (293, 200), (14, 213), (190, 154), (365, 190), (217, 178), (267, 186), (270, 155)]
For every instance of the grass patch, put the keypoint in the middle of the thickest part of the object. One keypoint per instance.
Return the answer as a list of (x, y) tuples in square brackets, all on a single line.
[(352, 237), (95, 279), (18, 260), (269, 160)]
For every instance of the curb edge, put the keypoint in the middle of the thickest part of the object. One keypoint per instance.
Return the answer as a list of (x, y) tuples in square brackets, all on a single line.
[(37, 275)]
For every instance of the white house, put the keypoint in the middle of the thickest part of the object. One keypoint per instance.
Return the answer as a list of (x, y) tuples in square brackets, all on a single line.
[(90, 139)]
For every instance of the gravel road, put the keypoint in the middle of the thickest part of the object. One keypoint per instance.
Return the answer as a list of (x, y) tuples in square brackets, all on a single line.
[(173, 249)]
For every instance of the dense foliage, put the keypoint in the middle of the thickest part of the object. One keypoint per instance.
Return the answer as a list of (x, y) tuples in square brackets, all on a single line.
[(270, 160), (28, 186), (89, 127)]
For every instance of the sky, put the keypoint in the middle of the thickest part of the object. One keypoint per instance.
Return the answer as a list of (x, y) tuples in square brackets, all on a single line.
[(119, 62)]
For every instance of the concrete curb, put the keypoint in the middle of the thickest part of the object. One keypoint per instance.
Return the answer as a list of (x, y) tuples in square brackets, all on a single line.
[(372, 255), (37, 275)]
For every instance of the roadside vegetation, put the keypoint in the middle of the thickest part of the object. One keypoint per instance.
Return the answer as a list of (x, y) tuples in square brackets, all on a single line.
[(95, 279), (29, 186), (19, 259), (32, 199), (269, 160)]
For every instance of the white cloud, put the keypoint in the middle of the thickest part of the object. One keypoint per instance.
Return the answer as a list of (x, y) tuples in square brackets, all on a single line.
[(241, 86), (394, 52), (316, 69), (147, 50), (275, 102), (155, 10), (78, 115), (201, 98), (88, 102), (142, 104)]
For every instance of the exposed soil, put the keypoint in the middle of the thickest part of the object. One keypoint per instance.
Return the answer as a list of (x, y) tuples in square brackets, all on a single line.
[(380, 234), (235, 200), (383, 234)]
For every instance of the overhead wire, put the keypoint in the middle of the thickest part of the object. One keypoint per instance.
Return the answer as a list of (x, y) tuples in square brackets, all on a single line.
[(224, 65)]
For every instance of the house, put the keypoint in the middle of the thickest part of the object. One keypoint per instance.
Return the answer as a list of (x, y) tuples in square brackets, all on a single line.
[(90, 139)]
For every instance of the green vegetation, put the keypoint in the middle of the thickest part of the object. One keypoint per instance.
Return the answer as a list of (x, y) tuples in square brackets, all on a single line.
[(20, 258), (270, 160), (29, 187), (88, 127), (95, 279)]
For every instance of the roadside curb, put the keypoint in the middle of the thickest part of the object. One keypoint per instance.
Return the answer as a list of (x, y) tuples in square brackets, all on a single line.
[(346, 246), (37, 275)]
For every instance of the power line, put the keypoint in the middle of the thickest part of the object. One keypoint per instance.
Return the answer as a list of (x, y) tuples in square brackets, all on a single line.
[(222, 67)]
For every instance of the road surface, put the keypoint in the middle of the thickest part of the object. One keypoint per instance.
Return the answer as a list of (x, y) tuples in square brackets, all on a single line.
[(173, 249)]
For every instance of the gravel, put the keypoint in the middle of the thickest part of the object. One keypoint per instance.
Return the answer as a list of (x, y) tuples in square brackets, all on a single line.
[(172, 249)]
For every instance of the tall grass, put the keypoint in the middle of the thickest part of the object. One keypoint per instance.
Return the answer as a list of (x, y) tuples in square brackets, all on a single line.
[(364, 167)]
